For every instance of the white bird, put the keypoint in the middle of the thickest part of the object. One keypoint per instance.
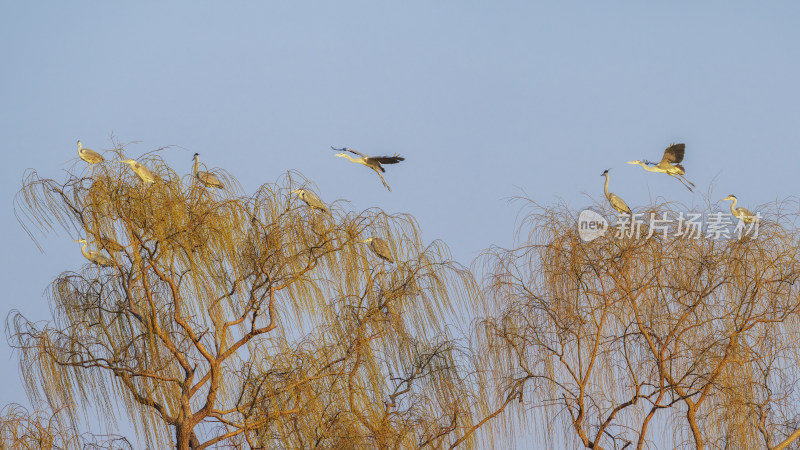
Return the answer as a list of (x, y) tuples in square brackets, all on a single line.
[(207, 178), (670, 164), (90, 156), (616, 201), (95, 256), (310, 199), (143, 172), (373, 162), (740, 213), (380, 248)]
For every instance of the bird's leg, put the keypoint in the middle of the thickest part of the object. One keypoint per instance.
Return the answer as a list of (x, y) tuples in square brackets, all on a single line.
[(684, 178), (384, 181), (679, 179)]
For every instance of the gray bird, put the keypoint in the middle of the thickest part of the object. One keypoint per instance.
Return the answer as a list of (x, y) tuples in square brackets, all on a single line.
[(740, 213), (310, 199), (616, 201), (95, 256), (207, 178), (373, 162), (143, 172), (670, 164), (380, 248), (90, 156)]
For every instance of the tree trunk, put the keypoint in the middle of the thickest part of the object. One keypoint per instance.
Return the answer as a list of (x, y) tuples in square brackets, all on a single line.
[(691, 416), (185, 439)]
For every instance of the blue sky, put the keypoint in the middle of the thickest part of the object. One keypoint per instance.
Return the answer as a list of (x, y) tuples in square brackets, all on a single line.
[(486, 100)]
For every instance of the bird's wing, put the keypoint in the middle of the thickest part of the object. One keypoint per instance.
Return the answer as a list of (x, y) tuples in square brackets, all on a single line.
[(387, 159), (674, 153), (314, 201), (99, 258), (146, 170), (91, 154), (745, 211), (679, 166), (382, 249), (618, 203), (210, 179), (345, 149)]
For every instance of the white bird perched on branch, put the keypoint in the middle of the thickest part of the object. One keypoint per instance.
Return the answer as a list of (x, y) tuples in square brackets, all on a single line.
[(90, 156), (373, 162), (207, 178), (143, 172), (380, 248), (670, 164), (310, 199), (95, 256), (616, 201), (740, 213)]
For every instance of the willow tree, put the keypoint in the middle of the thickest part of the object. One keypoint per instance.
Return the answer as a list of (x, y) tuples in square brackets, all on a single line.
[(233, 320), (656, 338), (46, 429)]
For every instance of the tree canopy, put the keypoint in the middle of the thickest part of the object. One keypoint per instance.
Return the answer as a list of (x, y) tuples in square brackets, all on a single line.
[(243, 320), (228, 319)]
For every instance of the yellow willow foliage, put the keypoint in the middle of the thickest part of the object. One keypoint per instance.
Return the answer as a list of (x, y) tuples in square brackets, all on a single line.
[(660, 342), (246, 320), (22, 429), (47, 429)]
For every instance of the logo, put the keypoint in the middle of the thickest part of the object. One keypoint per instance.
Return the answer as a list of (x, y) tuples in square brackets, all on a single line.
[(591, 225)]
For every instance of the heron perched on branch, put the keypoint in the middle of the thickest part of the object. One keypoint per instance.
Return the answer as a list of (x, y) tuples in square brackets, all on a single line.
[(380, 248), (207, 178), (310, 199), (90, 156), (670, 164), (616, 201), (740, 213), (373, 162), (95, 256), (143, 172)]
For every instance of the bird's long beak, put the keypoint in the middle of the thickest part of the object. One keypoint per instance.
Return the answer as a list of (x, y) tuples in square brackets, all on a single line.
[(633, 162)]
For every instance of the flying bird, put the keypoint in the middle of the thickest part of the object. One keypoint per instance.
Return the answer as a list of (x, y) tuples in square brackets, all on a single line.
[(616, 201), (207, 178), (95, 256), (380, 248), (373, 162), (310, 199), (90, 156), (740, 213), (670, 164), (143, 172)]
